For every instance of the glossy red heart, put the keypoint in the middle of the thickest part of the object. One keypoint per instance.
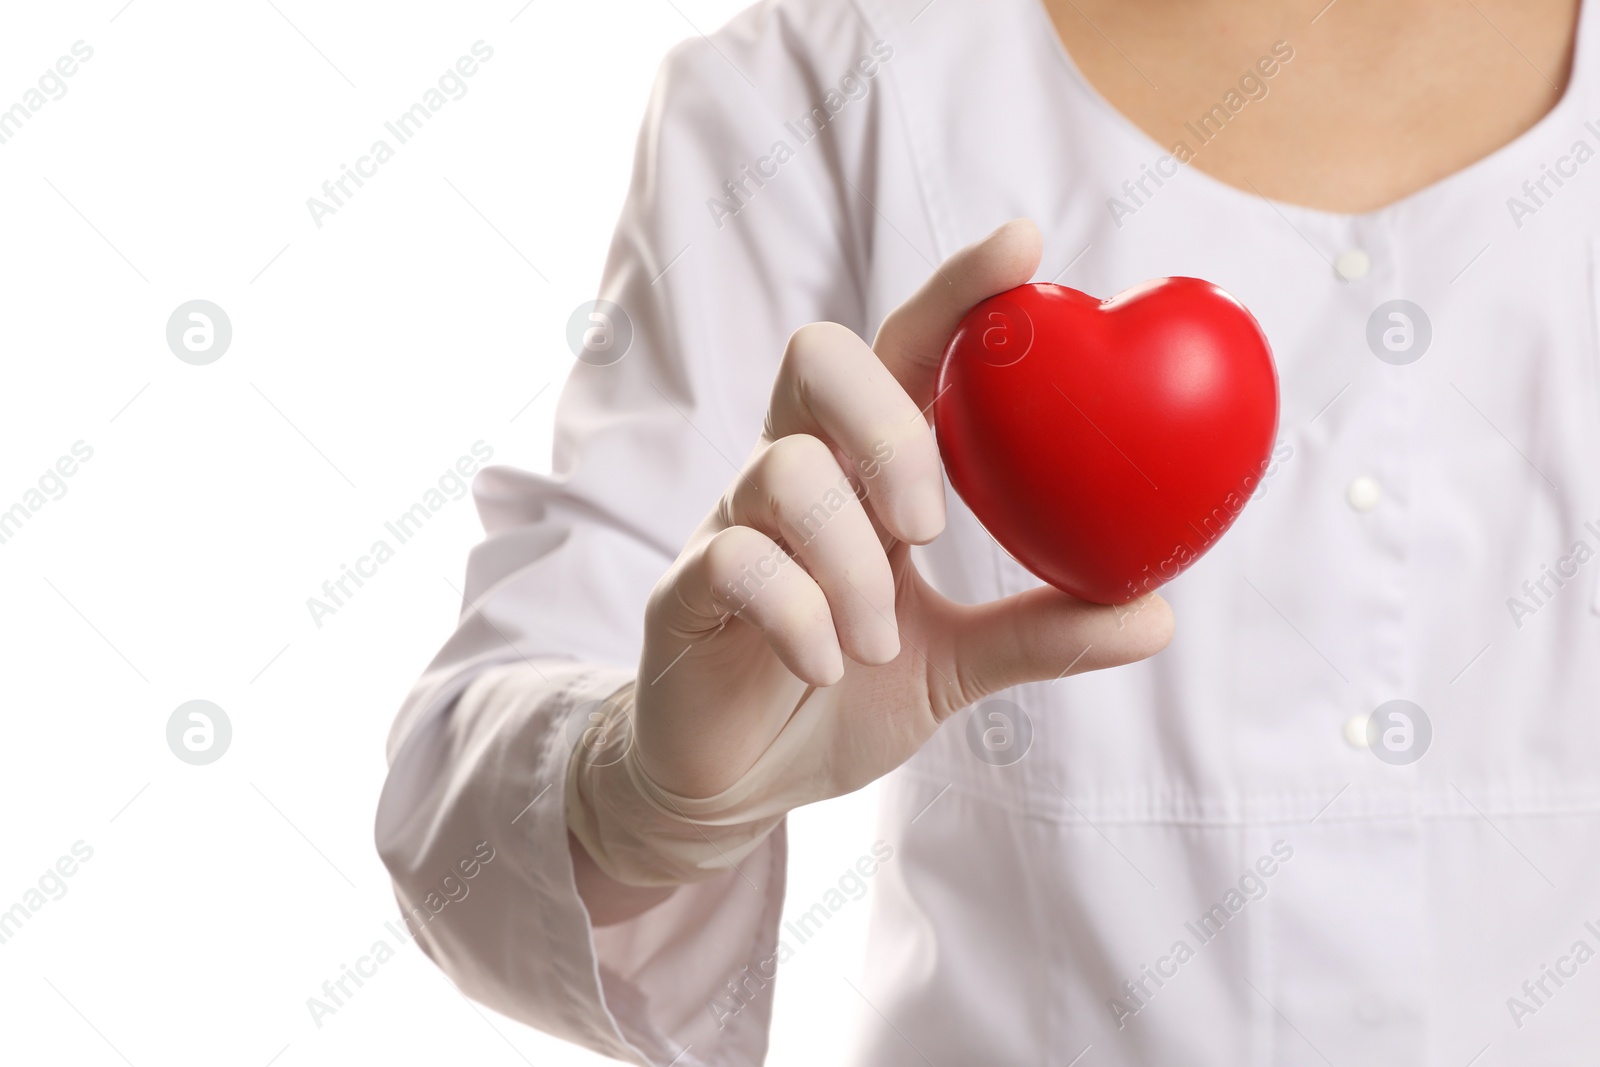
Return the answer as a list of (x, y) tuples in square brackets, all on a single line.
[(1107, 444)]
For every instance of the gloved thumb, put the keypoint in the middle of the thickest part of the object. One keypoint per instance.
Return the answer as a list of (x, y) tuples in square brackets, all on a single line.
[(1044, 634)]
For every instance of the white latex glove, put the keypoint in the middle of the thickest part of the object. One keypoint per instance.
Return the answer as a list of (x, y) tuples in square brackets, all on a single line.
[(768, 682)]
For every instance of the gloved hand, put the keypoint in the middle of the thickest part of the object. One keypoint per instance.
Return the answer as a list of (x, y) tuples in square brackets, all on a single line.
[(768, 682)]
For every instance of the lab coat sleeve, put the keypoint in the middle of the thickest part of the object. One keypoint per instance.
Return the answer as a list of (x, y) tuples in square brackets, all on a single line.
[(713, 269)]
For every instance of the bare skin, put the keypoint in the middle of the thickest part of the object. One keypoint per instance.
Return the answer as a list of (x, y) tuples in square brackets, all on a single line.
[(1381, 99)]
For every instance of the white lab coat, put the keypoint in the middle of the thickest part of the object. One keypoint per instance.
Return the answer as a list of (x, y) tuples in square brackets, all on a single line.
[(1370, 913)]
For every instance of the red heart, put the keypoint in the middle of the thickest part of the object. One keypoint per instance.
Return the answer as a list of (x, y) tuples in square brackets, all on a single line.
[(1107, 444)]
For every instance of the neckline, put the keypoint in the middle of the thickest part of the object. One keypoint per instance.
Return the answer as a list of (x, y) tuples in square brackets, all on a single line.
[(1558, 113)]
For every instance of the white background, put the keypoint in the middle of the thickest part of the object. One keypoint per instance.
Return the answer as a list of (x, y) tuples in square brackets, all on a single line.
[(427, 314)]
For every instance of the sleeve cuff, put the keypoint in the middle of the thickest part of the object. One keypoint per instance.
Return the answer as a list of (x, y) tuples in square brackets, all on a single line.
[(687, 982)]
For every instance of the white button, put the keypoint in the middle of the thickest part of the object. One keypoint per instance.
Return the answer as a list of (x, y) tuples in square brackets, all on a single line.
[(1355, 731), (1364, 493), (1353, 264)]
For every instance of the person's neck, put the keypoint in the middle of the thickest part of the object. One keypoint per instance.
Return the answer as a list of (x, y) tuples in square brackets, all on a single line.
[(1380, 98)]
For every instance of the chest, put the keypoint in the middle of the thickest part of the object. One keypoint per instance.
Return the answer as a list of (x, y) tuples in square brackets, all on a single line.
[(1440, 379)]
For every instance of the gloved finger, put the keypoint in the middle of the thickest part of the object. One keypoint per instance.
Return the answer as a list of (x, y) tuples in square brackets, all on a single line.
[(741, 577), (832, 385), (794, 491)]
